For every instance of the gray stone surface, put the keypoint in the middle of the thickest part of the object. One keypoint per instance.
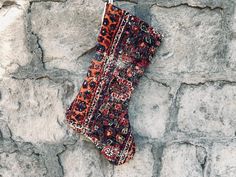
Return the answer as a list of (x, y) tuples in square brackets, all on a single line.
[(143, 160), (232, 46), (182, 113), (180, 58), (150, 103), (13, 42), (82, 160), (180, 160), (15, 164), (207, 109), (223, 160), (33, 109), (66, 30)]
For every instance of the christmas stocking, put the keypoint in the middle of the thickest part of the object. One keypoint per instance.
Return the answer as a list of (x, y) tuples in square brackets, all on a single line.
[(125, 47)]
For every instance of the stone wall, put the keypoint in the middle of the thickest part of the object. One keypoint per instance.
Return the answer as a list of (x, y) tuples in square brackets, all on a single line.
[(183, 112)]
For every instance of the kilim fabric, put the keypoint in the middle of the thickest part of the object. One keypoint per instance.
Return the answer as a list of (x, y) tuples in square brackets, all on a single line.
[(125, 47)]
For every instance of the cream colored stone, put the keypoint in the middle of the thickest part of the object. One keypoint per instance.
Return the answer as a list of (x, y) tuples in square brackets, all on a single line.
[(66, 30), (180, 160), (13, 41), (193, 43), (83, 159), (223, 160), (33, 109), (149, 108), (141, 164), (16, 165), (208, 109)]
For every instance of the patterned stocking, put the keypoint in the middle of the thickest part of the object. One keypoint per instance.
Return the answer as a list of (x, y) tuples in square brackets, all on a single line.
[(126, 45)]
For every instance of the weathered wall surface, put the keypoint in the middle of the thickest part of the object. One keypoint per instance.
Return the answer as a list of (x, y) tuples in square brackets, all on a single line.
[(183, 113)]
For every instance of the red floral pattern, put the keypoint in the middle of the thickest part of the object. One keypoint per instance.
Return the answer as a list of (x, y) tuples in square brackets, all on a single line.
[(126, 46)]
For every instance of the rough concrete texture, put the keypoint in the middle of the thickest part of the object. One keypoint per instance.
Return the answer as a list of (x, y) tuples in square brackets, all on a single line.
[(182, 113)]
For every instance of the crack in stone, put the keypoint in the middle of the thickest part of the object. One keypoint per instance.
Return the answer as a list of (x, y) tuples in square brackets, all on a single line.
[(189, 5), (31, 77), (199, 148), (203, 161), (172, 4), (43, 77), (157, 152), (34, 44), (220, 83), (40, 156), (35, 1), (1, 134), (59, 158), (40, 48), (130, 1), (7, 4), (56, 75), (154, 80), (7, 133), (87, 52), (36, 70)]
